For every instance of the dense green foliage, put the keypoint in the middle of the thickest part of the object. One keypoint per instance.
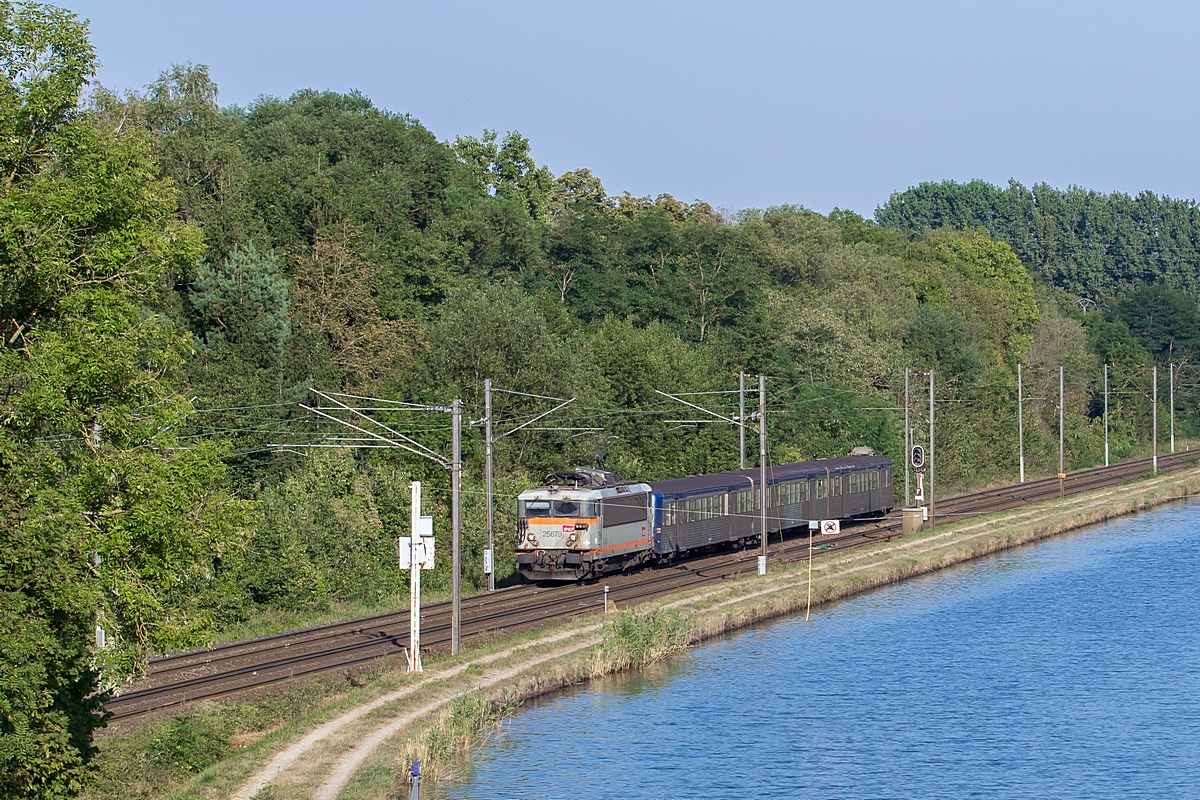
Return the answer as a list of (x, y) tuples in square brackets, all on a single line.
[(176, 277), (106, 520), (1091, 244)]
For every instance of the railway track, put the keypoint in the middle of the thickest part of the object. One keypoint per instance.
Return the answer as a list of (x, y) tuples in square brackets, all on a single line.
[(184, 678)]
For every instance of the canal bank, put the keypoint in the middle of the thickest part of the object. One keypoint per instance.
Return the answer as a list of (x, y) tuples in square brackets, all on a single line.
[(355, 745)]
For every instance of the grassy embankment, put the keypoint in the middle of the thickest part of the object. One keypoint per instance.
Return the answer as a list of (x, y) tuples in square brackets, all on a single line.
[(214, 749)]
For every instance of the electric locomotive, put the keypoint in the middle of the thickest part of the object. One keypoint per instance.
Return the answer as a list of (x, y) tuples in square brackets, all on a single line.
[(587, 522), (584, 522)]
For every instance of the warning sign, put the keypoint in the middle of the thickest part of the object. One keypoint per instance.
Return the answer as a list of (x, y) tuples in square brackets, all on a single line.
[(831, 527)]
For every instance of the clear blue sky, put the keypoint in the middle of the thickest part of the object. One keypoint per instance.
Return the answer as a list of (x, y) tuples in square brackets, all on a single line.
[(741, 104)]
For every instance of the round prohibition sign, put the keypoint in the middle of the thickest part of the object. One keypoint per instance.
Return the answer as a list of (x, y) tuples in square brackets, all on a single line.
[(831, 526)]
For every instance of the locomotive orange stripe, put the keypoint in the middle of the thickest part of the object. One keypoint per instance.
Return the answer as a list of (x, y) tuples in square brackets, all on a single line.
[(562, 520), (606, 549)]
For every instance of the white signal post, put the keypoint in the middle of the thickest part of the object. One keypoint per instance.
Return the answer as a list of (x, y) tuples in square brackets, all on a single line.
[(416, 553)]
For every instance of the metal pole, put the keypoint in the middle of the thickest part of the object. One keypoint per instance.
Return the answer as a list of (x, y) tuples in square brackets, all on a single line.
[(808, 607), (907, 443), (456, 524), (1021, 422), (932, 509), (1172, 408), (490, 561), (414, 584), (1106, 415), (762, 467), (742, 418), (1155, 434), (1061, 404)]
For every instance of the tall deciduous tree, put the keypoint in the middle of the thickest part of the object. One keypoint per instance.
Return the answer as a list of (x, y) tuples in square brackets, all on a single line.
[(107, 521)]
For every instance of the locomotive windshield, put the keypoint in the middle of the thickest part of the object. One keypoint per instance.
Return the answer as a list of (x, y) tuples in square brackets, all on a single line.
[(556, 508)]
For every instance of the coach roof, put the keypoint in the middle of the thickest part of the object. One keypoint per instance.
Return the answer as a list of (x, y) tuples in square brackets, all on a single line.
[(738, 479)]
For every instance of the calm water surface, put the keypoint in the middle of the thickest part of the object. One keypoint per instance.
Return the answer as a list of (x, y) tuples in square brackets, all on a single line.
[(1070, 669)]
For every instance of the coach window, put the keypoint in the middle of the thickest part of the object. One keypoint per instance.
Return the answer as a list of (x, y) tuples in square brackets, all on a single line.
[(820, 488), (744, 504), (837, 485)]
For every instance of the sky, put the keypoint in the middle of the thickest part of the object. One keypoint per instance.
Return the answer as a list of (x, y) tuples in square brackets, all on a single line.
[(743, 105)]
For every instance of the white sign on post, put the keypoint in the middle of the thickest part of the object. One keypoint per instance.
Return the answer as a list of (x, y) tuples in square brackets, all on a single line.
[(831, 527), (421, 551)]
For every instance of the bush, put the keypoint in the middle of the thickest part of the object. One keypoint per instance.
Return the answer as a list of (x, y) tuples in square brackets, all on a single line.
[(637, 638), (191, 742)]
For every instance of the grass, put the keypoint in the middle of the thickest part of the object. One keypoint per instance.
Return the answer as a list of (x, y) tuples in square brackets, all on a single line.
[(637, 638), (146, 758), (467, 724)]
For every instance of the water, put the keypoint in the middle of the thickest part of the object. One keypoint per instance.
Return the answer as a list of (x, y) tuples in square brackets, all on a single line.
[(1070, 669)]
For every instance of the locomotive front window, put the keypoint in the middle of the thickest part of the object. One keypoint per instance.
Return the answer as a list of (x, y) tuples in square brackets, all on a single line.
[(534, 508), (556, 508), (566, 508)]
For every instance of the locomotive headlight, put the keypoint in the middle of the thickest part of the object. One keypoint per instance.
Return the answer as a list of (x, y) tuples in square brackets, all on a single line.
[(572, 539), (531, 540)]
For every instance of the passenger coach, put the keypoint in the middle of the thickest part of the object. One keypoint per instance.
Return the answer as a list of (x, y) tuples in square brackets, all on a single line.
[(587, 522)]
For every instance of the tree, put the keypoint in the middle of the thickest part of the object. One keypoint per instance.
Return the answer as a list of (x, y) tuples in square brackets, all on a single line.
[(196, 146), (336, 297), (1090, 244), (508, 171), (107, 521), (1166, 322), (243, 303)]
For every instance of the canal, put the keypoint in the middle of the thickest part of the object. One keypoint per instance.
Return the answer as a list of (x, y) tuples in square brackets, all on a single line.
[(1068, 669)]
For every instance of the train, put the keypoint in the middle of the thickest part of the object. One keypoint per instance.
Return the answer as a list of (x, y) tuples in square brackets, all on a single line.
[(587, 522)]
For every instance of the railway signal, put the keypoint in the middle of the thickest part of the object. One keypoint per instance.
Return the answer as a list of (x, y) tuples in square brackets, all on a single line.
[(917, 458)]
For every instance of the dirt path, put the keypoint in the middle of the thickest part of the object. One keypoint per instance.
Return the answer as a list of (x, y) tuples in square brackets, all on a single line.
[(353, 760), (291, 755)]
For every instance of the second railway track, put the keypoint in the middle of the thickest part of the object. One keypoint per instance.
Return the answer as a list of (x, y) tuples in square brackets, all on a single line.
[(183, 678)]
